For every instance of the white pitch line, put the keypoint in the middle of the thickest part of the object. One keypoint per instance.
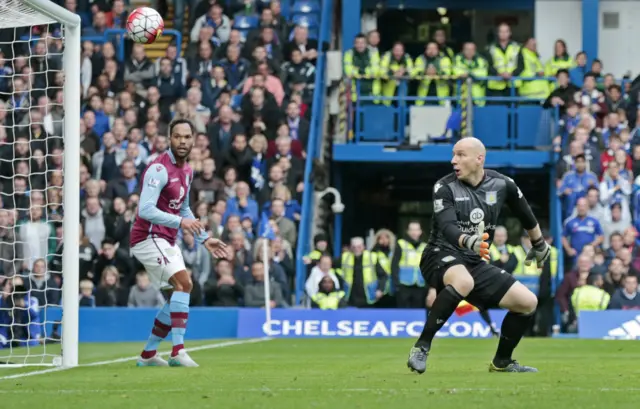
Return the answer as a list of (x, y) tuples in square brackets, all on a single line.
[(343, 390), (133, 358)]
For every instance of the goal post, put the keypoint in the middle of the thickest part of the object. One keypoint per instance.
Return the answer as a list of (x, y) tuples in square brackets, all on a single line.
[(29, 13)]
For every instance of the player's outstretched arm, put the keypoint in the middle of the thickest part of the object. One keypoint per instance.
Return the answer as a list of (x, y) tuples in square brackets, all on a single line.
[(447, 222), (540, 250), (155, 179)]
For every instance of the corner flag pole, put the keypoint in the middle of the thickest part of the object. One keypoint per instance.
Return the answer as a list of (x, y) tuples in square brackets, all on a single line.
[(267, 292)]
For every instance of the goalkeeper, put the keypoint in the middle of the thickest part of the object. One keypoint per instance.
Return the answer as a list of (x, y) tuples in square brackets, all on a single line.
[(464, 202)]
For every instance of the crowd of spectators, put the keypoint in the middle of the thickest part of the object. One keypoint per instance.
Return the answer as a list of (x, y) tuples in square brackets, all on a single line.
[(247, 90), (598, 142)]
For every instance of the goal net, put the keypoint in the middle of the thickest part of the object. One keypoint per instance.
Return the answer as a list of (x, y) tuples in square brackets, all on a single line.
[(39, 183)]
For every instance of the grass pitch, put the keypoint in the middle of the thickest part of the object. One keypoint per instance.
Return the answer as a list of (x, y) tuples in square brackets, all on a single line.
[(338, 373)]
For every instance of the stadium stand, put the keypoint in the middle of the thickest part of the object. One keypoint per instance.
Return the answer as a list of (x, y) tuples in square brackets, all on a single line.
[(250, 75), (243, 72)]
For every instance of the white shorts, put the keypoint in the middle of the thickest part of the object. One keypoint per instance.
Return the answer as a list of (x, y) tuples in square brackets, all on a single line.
[(160, 259)]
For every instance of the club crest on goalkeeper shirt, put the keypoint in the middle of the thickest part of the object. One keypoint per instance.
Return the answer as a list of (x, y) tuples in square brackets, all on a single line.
[(172, 196)]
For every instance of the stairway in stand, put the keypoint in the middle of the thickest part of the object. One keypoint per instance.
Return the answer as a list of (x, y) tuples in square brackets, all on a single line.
[(157, 49)]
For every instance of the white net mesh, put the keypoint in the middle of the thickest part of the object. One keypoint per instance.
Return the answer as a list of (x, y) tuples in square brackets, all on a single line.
[(31, 184), (15, 13)]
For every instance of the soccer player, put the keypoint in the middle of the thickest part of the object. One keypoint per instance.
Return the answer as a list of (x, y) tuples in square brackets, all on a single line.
[(163, 209), (464, 202)]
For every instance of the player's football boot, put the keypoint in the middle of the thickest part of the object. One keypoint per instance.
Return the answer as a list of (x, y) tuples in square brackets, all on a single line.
[(182, 359), (417, 361), (512, 366), (155, 360)]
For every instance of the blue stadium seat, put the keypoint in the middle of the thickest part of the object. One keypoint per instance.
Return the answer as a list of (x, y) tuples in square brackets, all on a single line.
[(306, 20), (305, 7), (529, 121), (491, 125), (378, 123), (245, 22)]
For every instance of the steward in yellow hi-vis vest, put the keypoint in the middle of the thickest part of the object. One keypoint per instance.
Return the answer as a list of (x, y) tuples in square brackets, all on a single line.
[(470, 64), (327, 297), (395, 65), (363, 64), (384, 248), (431, 64), (411, 291), (502, 57), (590, 297), (561, 60), (363, 278), (502, 254), (532, 67)]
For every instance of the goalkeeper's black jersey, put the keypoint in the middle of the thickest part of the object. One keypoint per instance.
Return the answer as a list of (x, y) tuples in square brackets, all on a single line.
[(454, 201)]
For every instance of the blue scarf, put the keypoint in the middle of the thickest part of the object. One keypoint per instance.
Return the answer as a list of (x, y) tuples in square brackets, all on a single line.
[(258, 170)]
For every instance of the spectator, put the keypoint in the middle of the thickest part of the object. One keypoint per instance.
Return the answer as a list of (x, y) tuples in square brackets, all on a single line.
[(240, 157), (614, 277), (364, 280), (139, 69), (590, 296), (223, 291), (254, 292), (616, 224), (236, 69), (109, 292), (168, 83), (286, 226), (144, 294), (36, 236), (126, 185), (577, 73), (216, 20), (87, 298), (93, 221), (581, 230), (572, 280), (626, 298), (42, 285), (563, 94), (106, 161), (615, 189), (575, 183), (10, 251), (112, 256), (328, 297), (203, 63), (318, 273), (196, 258)]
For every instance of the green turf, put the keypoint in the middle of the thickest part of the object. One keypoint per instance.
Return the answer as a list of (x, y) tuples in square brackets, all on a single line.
[(346, 373)]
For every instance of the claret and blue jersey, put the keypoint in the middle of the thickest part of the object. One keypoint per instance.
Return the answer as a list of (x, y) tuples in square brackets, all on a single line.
[(164, 200)]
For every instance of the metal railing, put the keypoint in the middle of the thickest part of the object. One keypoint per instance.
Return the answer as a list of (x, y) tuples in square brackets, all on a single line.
[(462, 99), (120, 35), (313, 151)]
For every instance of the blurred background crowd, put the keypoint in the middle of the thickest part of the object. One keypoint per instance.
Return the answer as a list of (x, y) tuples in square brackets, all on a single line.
[(245, 77)]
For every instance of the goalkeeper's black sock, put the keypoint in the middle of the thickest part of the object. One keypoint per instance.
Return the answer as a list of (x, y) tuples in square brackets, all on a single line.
[(442, 308), (512, 330)]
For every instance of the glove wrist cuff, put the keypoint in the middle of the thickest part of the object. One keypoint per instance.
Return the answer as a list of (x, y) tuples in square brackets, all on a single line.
[(538, 244)]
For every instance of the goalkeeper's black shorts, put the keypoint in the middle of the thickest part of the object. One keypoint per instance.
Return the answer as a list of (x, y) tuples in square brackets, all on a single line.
[(490, 282)]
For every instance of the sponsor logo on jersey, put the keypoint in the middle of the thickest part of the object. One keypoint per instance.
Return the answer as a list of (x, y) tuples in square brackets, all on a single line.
[(462, 199), (153, 183), (476, 215), (175, 180), (436, 187), (491, 197)]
